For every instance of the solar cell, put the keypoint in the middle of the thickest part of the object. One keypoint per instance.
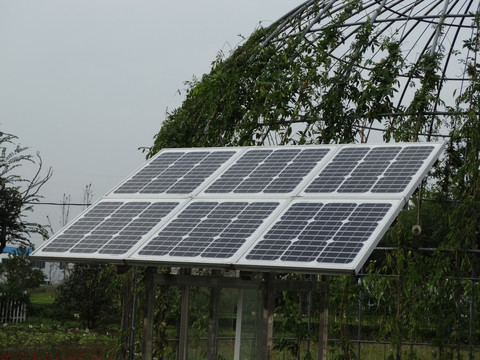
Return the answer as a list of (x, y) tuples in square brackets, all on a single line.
[(268, 170), (400, 172), (209, 229), (178, 172), (380, 169), (351, 236), (110, 227), (321, 236), (315, 231)]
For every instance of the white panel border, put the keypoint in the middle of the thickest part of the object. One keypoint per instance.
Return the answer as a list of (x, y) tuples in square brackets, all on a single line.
[(332, 149), (238, 261)]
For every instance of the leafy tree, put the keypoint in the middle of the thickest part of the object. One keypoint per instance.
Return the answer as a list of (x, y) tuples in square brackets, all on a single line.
[(17, 194), (91, 291), (18, 273)]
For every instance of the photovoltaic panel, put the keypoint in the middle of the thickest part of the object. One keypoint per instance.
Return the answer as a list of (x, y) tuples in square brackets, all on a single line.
[(318, 208), (110, 227), (380, 169), (331, 235), (268, 170), (398, 175), (208, 230), (175, 172)]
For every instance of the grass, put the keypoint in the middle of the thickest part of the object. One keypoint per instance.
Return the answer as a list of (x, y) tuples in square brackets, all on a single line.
[(54, 341), (42, 298)]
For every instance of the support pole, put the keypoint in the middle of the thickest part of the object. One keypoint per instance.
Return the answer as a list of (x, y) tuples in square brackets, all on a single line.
[(360, 318), (238, 326), (268, 307), (147, 346), (131, 349), (213, 321), (183, 344), (323, 320)]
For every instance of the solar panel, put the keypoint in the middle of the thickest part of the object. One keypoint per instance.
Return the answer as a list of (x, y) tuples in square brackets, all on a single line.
[(327, 234), (379, 169), (208, 230), (318, 208), (177, 172), (109, 227), (268, 171)]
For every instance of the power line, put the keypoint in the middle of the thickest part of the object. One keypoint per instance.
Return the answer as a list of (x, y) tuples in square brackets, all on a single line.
[(59, 204)]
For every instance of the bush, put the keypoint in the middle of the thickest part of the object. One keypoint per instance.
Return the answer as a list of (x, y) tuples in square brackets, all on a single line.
[(90, 293)]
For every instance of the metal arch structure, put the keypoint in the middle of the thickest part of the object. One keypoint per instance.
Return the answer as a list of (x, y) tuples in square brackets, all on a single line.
[(421, 27)]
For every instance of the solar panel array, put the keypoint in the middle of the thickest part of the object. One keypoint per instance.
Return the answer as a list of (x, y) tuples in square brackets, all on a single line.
[(318, 208)]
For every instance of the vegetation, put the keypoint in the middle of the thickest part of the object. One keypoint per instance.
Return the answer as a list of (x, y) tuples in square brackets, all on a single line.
[(421, 289), (425, 287), (53, 342), (18, 194), (91, 294), (18, 273)]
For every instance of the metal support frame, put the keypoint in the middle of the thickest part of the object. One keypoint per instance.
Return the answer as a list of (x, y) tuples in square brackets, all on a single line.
[(183, 345), (267, 286), (360, 317), (265, 331), (147, 346), (323, 321), (213, 321), (238, 326)]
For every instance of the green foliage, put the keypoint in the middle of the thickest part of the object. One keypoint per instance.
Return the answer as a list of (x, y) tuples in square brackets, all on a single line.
[(263, 94), (52, 339), (17, 194), (18, 273), (290, 324), (300, 93), (90, 292), (416, 120)]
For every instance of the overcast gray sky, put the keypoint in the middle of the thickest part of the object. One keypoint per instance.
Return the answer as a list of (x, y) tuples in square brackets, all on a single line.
[(86, 83)]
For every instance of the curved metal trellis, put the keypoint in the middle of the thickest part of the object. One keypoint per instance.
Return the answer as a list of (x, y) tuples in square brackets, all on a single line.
[(422, 27)]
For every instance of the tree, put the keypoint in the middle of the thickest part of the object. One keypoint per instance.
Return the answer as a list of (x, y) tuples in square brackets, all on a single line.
[(91, 292), (17, 194), (18, 273)]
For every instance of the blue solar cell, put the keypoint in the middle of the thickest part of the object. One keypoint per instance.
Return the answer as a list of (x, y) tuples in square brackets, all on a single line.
[(314, 231), (268, 171), (381, 169), (111, 227), (209, 229), (405, 167), (175, 172), (75, 232)]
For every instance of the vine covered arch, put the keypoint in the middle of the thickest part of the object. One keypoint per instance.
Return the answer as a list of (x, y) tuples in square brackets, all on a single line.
[(336, 71), (333, 71)]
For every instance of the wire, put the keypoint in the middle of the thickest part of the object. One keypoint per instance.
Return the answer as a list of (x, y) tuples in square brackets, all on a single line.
[(59, 204)]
